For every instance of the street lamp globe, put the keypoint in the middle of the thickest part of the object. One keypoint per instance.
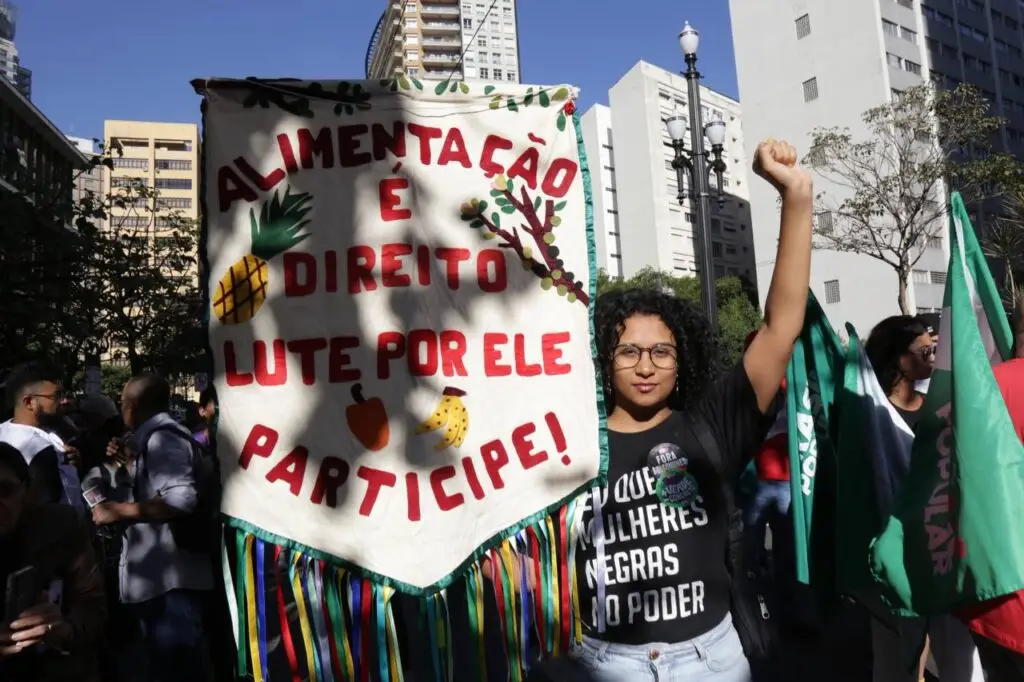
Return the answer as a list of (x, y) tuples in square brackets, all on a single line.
[(676, 127), (689, 39), (715, 132)]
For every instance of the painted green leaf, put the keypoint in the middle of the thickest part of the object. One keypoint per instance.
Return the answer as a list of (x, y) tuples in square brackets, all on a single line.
[(528, 100), (509, 186), (403, 82), (512, 106), (496, 219), (477, 223), (440, 88), (455, 86), (496, 192), (508, 208), (489, 89), (560, 95), (543, 97), (464, 88), (536, 202), (495, 104), (560, 205), (418, 84), (482, 206), (561, 121)]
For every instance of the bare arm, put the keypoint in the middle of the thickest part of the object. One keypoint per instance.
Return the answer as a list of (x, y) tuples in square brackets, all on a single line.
[(766, 359)]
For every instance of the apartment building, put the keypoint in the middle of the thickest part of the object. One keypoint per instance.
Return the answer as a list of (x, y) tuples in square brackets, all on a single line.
[(639, 221), (10, 63), (828, 62), (162, 156), (473, 40)]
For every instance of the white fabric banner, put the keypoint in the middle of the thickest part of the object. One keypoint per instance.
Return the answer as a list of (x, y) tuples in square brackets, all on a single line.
[(399, 276)]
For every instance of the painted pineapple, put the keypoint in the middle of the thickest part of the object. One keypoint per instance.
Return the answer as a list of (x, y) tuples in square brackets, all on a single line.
[(243, 288)]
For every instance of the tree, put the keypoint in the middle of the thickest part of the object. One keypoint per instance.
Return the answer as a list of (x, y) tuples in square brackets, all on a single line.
[(891, 181), (144, 267), (1004, 243), (737, 313)]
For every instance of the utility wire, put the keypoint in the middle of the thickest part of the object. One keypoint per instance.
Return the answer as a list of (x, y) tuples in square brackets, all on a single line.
[(472, 40)]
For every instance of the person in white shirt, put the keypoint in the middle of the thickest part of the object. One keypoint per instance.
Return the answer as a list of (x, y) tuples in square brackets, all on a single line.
[(37, 399)]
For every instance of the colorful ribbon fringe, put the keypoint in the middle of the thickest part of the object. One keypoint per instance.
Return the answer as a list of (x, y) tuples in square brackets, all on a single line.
[(300, 618)]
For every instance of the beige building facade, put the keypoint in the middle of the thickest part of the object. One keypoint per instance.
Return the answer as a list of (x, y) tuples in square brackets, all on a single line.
[(162, 156), (469, 40)]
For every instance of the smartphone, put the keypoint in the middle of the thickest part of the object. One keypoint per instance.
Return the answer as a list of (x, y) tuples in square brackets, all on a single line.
[(21, 593), (94, 496)]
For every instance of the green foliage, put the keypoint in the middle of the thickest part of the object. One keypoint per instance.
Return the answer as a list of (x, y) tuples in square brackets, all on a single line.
[(112, 380), (737, 313), (116, 275), (890, 201), (280, 223)]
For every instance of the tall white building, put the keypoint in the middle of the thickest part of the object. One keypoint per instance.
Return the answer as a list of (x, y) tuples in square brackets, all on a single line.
[(437, 39), (823, 63), (10, 64), (638, 219)]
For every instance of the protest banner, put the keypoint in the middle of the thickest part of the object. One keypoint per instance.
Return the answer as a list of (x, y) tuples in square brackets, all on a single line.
[(399, 277)]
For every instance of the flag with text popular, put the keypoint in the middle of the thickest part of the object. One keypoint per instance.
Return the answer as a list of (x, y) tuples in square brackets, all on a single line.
[(952, 538)]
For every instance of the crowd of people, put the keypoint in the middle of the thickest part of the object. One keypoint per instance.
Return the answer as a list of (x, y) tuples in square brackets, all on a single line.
[(109, 551)]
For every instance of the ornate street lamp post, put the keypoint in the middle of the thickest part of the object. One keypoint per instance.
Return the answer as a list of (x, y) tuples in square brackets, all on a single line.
[(698, 163)]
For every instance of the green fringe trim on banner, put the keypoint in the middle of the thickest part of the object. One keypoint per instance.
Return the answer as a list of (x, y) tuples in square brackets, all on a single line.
[(303, 618)]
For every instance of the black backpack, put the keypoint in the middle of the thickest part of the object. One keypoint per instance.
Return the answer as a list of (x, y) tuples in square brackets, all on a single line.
[(197, 532), (752, 600)]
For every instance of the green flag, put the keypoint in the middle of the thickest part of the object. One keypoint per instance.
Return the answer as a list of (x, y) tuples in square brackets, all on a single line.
[(872, 459), (952, 539), (810, 392)]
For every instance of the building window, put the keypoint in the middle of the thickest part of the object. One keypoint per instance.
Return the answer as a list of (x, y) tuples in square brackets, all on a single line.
[(897, 95), (122, 162), (173, 183), (716, 249), (810, 89), (173, 203), (803, 26), (467, 23), (823, 222), (174, 164), (911, 67), (938, 277), (893, 60), (934, 242), (688, 217), (908, 35), (890, 29), (832, 291), (481, 41), (920, 276)]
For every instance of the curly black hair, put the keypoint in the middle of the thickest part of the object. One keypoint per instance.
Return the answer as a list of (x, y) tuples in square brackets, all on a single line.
[(888, 342), (695, 343)]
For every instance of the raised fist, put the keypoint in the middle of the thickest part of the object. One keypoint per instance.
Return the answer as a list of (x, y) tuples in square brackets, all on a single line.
[(776, 162)]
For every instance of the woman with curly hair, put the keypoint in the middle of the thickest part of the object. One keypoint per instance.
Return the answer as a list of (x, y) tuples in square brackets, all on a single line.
[(654, 585)]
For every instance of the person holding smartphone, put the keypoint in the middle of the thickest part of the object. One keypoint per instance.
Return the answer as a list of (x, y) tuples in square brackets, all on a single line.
[(46, 548)]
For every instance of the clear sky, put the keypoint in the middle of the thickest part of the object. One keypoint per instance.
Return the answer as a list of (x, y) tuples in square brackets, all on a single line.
[(133, 59)]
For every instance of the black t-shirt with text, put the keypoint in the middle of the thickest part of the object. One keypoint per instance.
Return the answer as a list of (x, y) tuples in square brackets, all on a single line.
[(665, 521)]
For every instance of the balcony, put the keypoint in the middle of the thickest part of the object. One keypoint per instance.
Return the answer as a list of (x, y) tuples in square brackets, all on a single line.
[(440, 58), (440, 75), (428, 27), (443, 43), (438, 11)]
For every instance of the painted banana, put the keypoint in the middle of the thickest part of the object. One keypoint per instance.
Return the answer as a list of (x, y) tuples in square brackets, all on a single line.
[(450, 413)]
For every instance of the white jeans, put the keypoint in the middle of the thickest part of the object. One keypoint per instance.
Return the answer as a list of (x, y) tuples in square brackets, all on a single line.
[(951, 647)]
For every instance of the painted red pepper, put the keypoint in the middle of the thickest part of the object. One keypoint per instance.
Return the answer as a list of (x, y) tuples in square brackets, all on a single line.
[(368, 420)]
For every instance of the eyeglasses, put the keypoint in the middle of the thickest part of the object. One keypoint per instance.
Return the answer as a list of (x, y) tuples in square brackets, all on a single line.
[(627, 356), (925, 352)]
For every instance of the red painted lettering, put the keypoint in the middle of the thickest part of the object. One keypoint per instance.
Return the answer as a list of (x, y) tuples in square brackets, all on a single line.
[(453, 350), (390, 201), (495, 459), (284, 144), (348, 146), (264, 377), (384, 142), (264, 182), (318, 146), (452, 258), (559, 178), (390, 346), (307, 349), (390, 265), (472, 479), (259, 443), (299, 273), (339, 361), (422, 350), (487, 164), (524, 368), (291, 469), (332, 475), (525, 167), (454, 150), (231, 188), (492, 355), (551, 346), (521, 441), (425, 134), (361, 260), (412, 495), (445, 502), (231, 373), (491, 273), (375, 480)]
